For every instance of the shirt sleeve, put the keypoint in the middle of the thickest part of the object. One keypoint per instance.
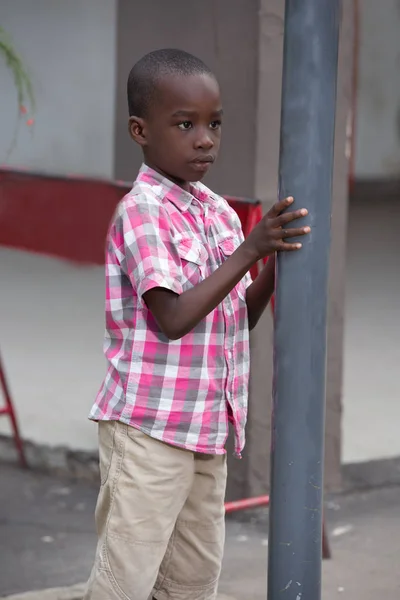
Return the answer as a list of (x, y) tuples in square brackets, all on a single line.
[(237, 227), (151, 255), (247, 279)]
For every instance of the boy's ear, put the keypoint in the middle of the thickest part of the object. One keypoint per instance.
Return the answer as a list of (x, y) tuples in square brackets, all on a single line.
[(137, 130)]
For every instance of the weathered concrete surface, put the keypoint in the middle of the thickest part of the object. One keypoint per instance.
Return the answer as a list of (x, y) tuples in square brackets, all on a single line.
[(47, 540), (74, 592), (68, 593)]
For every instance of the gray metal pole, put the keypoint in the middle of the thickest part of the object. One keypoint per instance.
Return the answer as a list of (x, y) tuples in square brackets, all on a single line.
[(305, 172)]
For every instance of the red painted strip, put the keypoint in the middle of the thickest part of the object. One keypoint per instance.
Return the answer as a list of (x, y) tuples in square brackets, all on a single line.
[(68, 217)]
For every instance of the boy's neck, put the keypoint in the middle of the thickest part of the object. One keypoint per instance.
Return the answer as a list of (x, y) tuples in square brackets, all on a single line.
[(185, 185)]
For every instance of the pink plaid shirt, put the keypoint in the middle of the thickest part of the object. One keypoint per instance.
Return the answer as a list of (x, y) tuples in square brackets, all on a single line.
[(182, 392)]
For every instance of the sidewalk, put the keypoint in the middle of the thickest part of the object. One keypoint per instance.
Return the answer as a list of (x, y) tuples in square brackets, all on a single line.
[(74, 592), (47, 540)]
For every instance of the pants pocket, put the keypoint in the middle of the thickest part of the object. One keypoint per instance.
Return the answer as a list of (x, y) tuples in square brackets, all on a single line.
[(106, 448)]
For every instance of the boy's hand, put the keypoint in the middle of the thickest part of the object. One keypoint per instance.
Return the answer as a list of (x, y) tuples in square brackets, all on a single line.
[(176, 314), (269, 234)]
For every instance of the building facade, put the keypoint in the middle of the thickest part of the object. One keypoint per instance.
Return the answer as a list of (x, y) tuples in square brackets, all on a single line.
[(51, 310)]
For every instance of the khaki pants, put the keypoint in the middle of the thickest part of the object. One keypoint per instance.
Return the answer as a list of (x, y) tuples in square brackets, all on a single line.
[(159, 517)]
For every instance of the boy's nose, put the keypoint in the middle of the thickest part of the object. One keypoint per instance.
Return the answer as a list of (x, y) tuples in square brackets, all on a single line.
[(204, 141)]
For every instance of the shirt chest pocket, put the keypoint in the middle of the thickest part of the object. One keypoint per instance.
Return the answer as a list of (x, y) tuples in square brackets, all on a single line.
[(193, 257), (227, 247)]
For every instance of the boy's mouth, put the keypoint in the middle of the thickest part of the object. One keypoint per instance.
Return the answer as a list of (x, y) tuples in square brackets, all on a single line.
[(204, 158), (202, 163)]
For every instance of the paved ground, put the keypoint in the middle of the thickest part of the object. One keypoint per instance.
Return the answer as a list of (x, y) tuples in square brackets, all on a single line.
[(47, 540)]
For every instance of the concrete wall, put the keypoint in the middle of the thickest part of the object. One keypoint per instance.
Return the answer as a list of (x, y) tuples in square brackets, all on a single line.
[(51, 323), (371, 389), (269, 93), (378, 97), (225, 35), (252, 478), (52, 312), (372, 349), (69, 51)]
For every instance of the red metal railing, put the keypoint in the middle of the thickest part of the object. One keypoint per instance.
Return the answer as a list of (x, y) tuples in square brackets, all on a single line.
[(8, 411)]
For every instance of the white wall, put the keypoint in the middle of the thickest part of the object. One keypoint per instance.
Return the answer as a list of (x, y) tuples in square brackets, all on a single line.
[(52, 324), (371, 390), (371, 398), (69, 50), (378, 102), (51, 312)]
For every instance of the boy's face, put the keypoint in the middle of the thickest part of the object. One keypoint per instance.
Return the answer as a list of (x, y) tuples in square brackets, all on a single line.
[(181, 134)]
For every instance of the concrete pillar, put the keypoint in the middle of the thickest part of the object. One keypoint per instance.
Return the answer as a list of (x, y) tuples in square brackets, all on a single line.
[(266, 169), (242, 41), (338, 254)]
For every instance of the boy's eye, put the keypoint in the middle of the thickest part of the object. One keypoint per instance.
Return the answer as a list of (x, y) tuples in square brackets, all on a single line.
[(185, 125), (215, 124)]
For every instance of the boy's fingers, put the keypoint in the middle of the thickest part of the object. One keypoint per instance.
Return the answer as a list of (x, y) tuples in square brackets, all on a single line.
[(281, 233), (288, 217), (278, 207), (285, 247), (289, 233)]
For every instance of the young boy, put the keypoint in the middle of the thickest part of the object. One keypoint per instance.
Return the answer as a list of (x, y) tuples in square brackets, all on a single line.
[(179, 306)]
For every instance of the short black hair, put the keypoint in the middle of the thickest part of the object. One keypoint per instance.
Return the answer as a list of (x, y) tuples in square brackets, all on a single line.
[(145, 74)]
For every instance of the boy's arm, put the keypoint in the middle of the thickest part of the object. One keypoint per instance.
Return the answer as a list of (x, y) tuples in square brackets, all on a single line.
[(260, 292), (177, 314)]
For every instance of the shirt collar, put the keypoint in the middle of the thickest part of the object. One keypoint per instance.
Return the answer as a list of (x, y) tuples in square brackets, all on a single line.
[(165, 188)]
